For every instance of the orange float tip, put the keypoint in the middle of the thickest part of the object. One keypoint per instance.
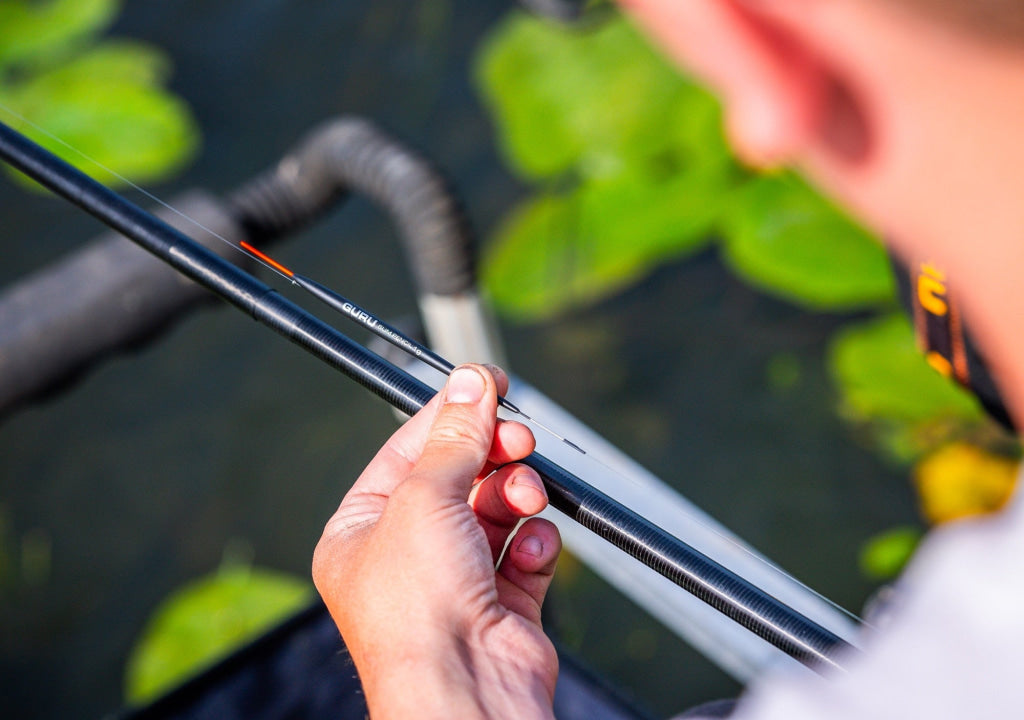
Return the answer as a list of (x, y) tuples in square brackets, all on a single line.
[(259, 254)]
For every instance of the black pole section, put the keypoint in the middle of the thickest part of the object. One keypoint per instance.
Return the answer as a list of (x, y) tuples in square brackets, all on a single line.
[(748, 605)]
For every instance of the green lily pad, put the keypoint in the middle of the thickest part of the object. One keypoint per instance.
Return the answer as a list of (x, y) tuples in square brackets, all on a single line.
[(786, 239), (530, 267), (110, 106), (883, 380), (206, 619), (885, 555), (564, 99), (560, 251)]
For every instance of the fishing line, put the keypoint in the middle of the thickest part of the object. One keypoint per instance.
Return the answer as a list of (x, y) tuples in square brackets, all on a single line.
[(322, 293), (138, 188), (578, 502)]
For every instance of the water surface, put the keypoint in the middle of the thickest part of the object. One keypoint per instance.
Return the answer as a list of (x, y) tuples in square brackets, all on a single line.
[(138, 478)]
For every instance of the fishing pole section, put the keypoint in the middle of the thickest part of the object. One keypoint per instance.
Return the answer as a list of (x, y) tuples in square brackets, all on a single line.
[(733, 596)]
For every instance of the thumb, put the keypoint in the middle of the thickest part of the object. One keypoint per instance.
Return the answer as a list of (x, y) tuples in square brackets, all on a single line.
[(461, 435)]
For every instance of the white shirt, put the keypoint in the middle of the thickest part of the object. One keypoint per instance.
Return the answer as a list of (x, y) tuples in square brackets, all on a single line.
[(950, 646)]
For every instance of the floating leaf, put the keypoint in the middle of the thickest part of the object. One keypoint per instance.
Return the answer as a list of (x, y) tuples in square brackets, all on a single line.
[(556, 252), (786, 239), (961, 480), (204, 620), (565, 100), (531, 264), (884, 380), (885, 555), (640, 151), (638, 219), (32, 30), (109, 105)]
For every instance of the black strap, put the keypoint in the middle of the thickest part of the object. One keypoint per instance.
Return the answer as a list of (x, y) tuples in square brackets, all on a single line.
[(942, 336)]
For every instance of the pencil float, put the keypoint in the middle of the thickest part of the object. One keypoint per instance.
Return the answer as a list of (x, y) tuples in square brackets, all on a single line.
[(380, 328)]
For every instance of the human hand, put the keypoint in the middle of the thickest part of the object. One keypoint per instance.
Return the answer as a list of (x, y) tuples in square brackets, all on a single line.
[(406, 564)]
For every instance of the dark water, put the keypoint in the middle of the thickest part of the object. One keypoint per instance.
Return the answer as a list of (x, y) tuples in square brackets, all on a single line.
[(221, 434)]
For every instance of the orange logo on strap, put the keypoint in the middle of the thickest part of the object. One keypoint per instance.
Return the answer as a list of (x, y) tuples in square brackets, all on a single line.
[(931, 291)]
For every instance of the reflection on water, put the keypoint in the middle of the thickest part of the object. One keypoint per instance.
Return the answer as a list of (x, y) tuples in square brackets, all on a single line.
[(117, 492)]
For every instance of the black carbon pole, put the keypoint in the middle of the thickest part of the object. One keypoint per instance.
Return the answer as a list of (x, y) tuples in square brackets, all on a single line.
[(751, 607)]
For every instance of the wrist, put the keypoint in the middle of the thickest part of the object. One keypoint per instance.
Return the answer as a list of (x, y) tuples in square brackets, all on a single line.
[(398, 677), (446, 677)]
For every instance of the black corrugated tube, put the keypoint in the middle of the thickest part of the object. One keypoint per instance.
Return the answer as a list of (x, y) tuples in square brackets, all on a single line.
[(352, 155)]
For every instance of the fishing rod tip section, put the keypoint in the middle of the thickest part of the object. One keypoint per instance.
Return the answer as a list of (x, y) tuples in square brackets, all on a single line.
[(511, 407), (555, 435), (574, 446)]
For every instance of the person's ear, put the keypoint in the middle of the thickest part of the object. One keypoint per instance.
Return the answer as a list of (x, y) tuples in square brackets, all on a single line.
[(774, 91)]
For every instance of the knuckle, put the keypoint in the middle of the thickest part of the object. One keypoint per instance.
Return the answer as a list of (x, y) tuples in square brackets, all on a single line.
[(336, 549), (409, 496), (323, 565), (460, 430)]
